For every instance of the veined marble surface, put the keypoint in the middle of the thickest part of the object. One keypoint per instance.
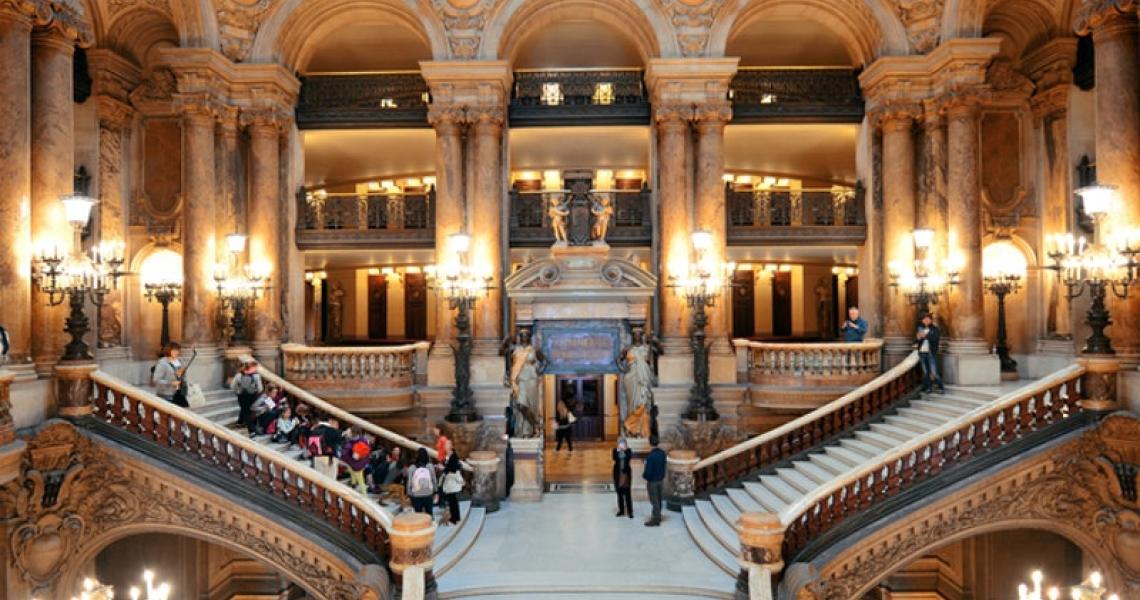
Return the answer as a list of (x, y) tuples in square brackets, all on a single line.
[(572, 546)]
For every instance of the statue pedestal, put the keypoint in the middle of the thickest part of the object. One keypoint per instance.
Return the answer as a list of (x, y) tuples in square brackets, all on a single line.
[(640, 448), (529, 474)]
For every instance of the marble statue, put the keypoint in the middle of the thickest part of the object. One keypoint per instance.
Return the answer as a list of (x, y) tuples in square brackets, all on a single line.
[(603, 211), (525, 364), (558, 212), (638, 378), (336, 312)]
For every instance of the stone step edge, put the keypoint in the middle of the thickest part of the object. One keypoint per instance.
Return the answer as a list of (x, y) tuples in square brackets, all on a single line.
[(642, 590)]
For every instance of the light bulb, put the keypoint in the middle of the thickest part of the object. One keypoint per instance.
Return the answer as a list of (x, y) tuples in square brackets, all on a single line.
[(1095, 579), (134, 593), (1054, 593), (1037, 577), (1075, 593), (148, 576)]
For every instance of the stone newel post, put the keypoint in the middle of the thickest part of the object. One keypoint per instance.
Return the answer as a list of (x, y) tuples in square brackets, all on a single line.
[(761, 542), (485, 486), (679, 478), (412, 535), (73, 388), (1098, 384), (11, 449)]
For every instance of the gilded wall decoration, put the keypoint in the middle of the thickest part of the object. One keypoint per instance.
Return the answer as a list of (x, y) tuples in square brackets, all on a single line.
[(1087, 485), (692, 20), (923, 22), (73, 495), (238, 21), (464, 22), (1006, 198)]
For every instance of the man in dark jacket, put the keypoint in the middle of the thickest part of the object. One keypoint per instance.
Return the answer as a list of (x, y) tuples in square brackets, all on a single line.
[(855, 327), (655, 480), (926, 339)]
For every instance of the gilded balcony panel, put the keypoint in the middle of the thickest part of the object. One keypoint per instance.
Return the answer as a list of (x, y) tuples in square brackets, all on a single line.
[(630, 225), (348, 101), (579, 97)]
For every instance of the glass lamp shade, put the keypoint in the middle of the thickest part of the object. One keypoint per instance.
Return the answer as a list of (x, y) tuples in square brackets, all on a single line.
[(460, 242), (162, 267), (1097, 198), (923, 238), (702, 241), (1003, 260), (77, 209), (235, 243)]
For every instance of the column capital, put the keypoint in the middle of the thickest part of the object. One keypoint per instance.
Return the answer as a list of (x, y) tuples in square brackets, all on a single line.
[(114, 114), (963, 103), (444, 117), (712, 114), (676, 113), (1095, 14), (198, 106), (264, 121), (1051, 101), (486, 119), (23, 11), (63, 21), (111, 74), (897, 115), (932, 114), (691, 81), (1052, 63)]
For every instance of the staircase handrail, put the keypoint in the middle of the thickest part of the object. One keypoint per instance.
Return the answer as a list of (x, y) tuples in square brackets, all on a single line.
[(301, 395), (894, 373), (855, 482), (252, 459)]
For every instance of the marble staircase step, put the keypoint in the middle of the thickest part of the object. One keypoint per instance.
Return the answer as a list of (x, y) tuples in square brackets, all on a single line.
[(921, 415), (910, 424), (764, 497), (863, 449), (445, 533), (726, 507), (901, 435), (459, 543), (707, 542), (829, 463), (776, 484), (845, 455), (715, 523), (873, 438), (744, 501), (817, 474), (937, 409), (797, 480)]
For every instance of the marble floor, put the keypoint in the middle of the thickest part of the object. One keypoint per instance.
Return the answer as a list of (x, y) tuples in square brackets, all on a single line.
[(572, 546), (590, 462)]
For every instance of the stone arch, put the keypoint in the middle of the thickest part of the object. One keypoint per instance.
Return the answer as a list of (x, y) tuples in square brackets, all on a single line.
[(646, 25), (1068, 487), (134, 33), (290, 33), (1024, 23), (869, 28), (963, 18), (192, 21)]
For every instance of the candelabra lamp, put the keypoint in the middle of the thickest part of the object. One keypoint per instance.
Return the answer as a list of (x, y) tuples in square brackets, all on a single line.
[(700, 286), (93, 590), (77, 276), (239, 287), (924, 283), (1102, 266), (461, 285), (1089, 589), (1003, 270), (164, 293)]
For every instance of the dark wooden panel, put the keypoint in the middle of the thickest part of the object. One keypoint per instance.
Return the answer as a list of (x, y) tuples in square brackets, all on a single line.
[(781, 304), (377, 307), (743, 304), (583, 395), (415, 306), (852, 290)]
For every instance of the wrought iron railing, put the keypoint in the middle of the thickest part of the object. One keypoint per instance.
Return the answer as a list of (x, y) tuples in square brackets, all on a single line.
[(584, 97), (398, 99), (631, 224), (346, 220), (807, 94), (785, 216)]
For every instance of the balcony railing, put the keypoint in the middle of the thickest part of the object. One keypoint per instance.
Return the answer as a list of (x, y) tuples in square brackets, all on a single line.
[(631, 224), (790, 95), (810, 364), (352, 220), (579, 97), (834, 215), (362, 101)]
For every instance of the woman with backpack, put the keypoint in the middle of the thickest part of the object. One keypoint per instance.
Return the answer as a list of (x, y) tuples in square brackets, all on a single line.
[(422, 483), (355, 457), (452, 484), (247, 385)]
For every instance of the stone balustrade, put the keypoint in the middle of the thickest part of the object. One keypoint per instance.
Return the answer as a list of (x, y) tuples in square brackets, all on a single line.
[(808, 364), (365, 379)]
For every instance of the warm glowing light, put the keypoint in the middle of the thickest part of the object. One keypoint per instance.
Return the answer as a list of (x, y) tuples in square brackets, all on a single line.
[(551, 94), (387, 271), (604, 179), (374, 186), (702, 241), (769, 181), (783, 182), (77, 209), (603, 93), (414, 182), (1003, 259), (923, 238), (1095, 579), (551, 180), (373, 271), (1098, 199), (459, 242), (161, 267), (235, 243), (429, 181), (785, 268)]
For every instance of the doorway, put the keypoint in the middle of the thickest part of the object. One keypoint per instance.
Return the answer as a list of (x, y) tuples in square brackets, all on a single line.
[(782, 304), (377, 307), (743, 304), (582, 394)]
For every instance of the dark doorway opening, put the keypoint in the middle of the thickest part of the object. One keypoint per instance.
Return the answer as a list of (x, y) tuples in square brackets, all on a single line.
[(782, 304), (582, 394)]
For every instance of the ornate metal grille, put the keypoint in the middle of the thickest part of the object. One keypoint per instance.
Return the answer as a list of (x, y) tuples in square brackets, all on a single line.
[(584, 97), (351, 220), (834, 215), (388, 99), (812, 94)]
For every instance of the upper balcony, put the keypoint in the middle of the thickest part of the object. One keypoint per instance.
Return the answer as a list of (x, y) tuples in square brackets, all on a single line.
[(758, 216), (396, 218), (363, 100), (631, 224), (579, 97), (806, 95)]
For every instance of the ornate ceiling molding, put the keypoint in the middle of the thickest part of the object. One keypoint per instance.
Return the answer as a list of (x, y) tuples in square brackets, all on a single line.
[(464, 23), (238, 22), (75, 496), (117, 6), (692, 23), (65, 18), (923, 22)]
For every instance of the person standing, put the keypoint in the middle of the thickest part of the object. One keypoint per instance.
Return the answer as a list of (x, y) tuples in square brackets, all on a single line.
[(323, 444), (623, 476), (355, 457), (563, 424), (248, 386), (422, 483), (855, 327), (167, 373), (926, 340), (654, 476), (452, 484), (441, 443)]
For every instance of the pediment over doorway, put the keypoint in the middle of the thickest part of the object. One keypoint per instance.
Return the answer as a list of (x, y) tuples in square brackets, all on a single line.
[(581, 282)]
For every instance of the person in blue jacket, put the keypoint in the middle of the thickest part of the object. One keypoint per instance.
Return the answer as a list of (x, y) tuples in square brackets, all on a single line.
[(855, 327)]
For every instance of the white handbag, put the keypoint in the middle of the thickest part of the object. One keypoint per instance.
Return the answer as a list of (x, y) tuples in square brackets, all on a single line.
[(194, 396), (452, 483)]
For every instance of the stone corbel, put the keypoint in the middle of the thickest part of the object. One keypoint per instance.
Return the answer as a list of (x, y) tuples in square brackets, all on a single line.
[(1052, 64), (922, 19), (113, 76)]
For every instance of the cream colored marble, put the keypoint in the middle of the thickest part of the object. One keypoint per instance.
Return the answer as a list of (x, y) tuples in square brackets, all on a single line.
[(265, 225), (448, 202), (487, 223), (199, 324), (15, 181), (898, 222), (964, 219), (675, 222)]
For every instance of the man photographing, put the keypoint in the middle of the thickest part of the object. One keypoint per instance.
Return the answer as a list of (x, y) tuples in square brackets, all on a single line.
[(855, 327)]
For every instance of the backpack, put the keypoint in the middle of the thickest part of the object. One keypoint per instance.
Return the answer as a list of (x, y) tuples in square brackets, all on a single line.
[(360, 450), (421, 482)]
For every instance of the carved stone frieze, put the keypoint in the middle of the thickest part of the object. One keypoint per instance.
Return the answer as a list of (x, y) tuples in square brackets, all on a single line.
[(114, 7), (1085, 487), (923, 20), (692, 21), (1093, 13), (1003, 78), (65, 18), (464, 22), (159, 87), (238, 21), (73, 497)]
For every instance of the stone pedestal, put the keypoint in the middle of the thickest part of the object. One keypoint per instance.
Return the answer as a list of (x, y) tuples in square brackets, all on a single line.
[(970, 363), (640, 448), (529, 474), (485, 484), (11, 449), (677, 368), (1098, 385), (679, 478), (462, 435), (761, 539), (412, 535), (73, 388)]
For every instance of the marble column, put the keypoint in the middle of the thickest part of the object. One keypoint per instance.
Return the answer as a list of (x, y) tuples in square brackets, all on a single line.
[(676, 224), (898, 222), (1115, 35), (199, 320), (931, 212), (114, 122), (967, 359), (226, 170), (265, 230), (448, 124), (1050, 109), (53, 172), (15, 184), (710, 209), (487, 224)]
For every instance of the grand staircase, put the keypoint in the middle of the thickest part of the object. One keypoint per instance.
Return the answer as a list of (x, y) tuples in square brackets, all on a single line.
[(822, 473)]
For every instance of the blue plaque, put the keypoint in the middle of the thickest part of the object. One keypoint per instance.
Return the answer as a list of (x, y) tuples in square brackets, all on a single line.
[(580, 347)]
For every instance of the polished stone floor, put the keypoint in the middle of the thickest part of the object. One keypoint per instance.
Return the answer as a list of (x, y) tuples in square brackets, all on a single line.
[(572, 546), (590, 462)]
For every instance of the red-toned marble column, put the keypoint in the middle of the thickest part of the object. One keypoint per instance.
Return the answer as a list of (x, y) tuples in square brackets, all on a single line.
[(676, 220), (266, 211), (199, 321), (487, 224), (898, 222), (710, 206), (448, 123)]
